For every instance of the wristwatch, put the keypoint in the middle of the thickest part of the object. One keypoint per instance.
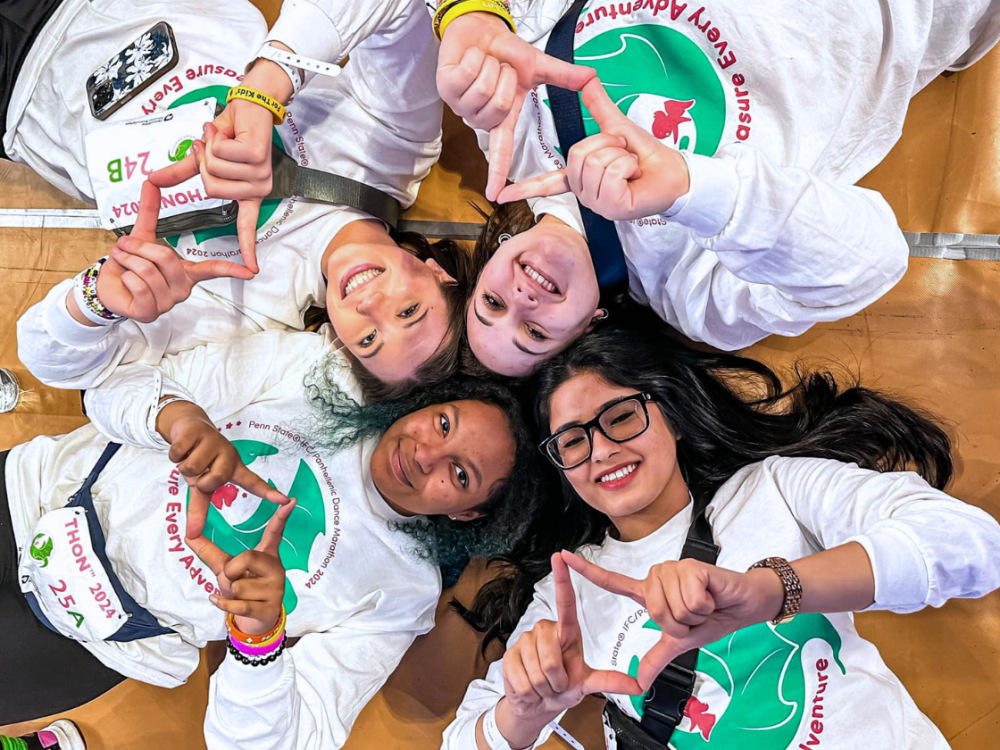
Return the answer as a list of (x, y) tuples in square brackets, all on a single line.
[(790, 582)]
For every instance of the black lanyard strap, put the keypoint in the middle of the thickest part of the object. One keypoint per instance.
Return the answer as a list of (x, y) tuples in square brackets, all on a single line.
[(605, 247), (668, 695)]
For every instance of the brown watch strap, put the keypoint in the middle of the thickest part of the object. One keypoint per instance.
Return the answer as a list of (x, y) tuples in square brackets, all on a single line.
[(790, 582)]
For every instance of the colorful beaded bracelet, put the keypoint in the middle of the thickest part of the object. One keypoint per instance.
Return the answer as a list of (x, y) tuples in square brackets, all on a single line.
[(85, 294)]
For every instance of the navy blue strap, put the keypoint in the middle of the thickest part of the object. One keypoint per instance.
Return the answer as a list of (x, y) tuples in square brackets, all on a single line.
[(108, 454), (605, 247), (141, 624)]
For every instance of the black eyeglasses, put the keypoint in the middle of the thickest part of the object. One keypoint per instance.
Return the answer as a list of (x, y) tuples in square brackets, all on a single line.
[(621, 420)]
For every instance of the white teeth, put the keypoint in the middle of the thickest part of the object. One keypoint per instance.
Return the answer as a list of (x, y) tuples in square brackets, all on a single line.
[(360, 278), (546, 284), (623, 472)]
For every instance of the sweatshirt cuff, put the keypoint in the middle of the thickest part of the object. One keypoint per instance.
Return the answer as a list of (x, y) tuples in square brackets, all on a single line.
[(67, 330), (564, 208), (901, 580), (711, 199), (242, 683), (307, 30)]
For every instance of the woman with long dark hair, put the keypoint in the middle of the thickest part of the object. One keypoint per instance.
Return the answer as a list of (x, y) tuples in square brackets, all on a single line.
[(667, 452)]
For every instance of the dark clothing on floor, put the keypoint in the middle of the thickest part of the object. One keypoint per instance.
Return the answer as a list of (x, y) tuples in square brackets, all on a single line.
[(45, 673), (21, 21)]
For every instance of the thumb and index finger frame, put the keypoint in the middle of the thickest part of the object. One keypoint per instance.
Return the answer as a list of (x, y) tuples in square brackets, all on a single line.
[(148, 214), (616, 583), (270, 543)]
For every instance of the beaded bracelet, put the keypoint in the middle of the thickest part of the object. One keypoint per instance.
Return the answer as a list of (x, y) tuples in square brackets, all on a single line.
[(85, 294), (253, 661)]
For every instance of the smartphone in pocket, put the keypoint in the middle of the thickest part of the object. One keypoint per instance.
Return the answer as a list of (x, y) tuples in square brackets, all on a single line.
[(131, 70)]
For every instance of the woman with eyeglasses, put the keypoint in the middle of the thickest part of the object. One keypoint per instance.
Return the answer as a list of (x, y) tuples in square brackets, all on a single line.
[(665, 452)]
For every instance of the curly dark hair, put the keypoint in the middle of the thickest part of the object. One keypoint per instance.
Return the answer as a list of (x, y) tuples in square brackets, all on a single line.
[(340, 421), (732, 411)]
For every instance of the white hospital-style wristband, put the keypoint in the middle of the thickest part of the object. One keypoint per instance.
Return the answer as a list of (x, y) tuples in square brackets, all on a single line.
[(291, 63), (158, 403), (491, 731)]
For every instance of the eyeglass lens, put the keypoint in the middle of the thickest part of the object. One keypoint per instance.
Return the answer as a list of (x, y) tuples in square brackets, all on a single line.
[(620, 422)]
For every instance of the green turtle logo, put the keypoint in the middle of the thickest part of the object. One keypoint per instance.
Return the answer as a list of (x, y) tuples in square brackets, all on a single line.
[(267, 208), (663, 82), (754, 683), (40, 549), (181, 150), (307, 521)]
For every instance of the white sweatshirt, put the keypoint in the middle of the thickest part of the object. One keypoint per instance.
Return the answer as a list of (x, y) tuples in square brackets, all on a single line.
[(379, 122), (779, 107), (813, 681), (357, 591)]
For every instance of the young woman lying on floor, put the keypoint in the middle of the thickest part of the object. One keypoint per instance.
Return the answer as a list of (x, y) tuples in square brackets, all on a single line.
[(382, 493), (723, 139), (666, 452), (397, 302)]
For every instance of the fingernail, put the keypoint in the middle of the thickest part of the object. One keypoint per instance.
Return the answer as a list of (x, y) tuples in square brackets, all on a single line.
[(214, 599)]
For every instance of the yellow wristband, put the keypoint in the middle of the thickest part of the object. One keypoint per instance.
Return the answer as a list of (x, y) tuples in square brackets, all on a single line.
[(258, 97), (448, 12)]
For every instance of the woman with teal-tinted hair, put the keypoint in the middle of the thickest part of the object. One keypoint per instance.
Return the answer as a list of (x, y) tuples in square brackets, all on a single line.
[(313, 516)]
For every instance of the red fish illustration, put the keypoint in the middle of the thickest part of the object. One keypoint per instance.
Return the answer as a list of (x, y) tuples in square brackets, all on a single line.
[(700, 720), (224, 496), (669, 120)]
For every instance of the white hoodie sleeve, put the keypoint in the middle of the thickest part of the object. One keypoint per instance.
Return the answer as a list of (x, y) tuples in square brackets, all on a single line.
[(484, 694), (63, 353), (329, 30), (925, 546), (220, 378), (787, 249), (310, 697)]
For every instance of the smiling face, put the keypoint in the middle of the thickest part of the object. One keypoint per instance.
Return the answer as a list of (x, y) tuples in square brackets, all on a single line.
[(444, 459), (387, 306), (536, 295), (637, 484)]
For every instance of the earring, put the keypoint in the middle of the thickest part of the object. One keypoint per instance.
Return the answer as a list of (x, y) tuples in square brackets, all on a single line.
[(453, 518), (503, 238), (602, 314)]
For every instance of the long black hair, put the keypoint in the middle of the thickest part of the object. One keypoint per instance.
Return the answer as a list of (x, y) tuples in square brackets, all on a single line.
[(339, 421), (729, 412)]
